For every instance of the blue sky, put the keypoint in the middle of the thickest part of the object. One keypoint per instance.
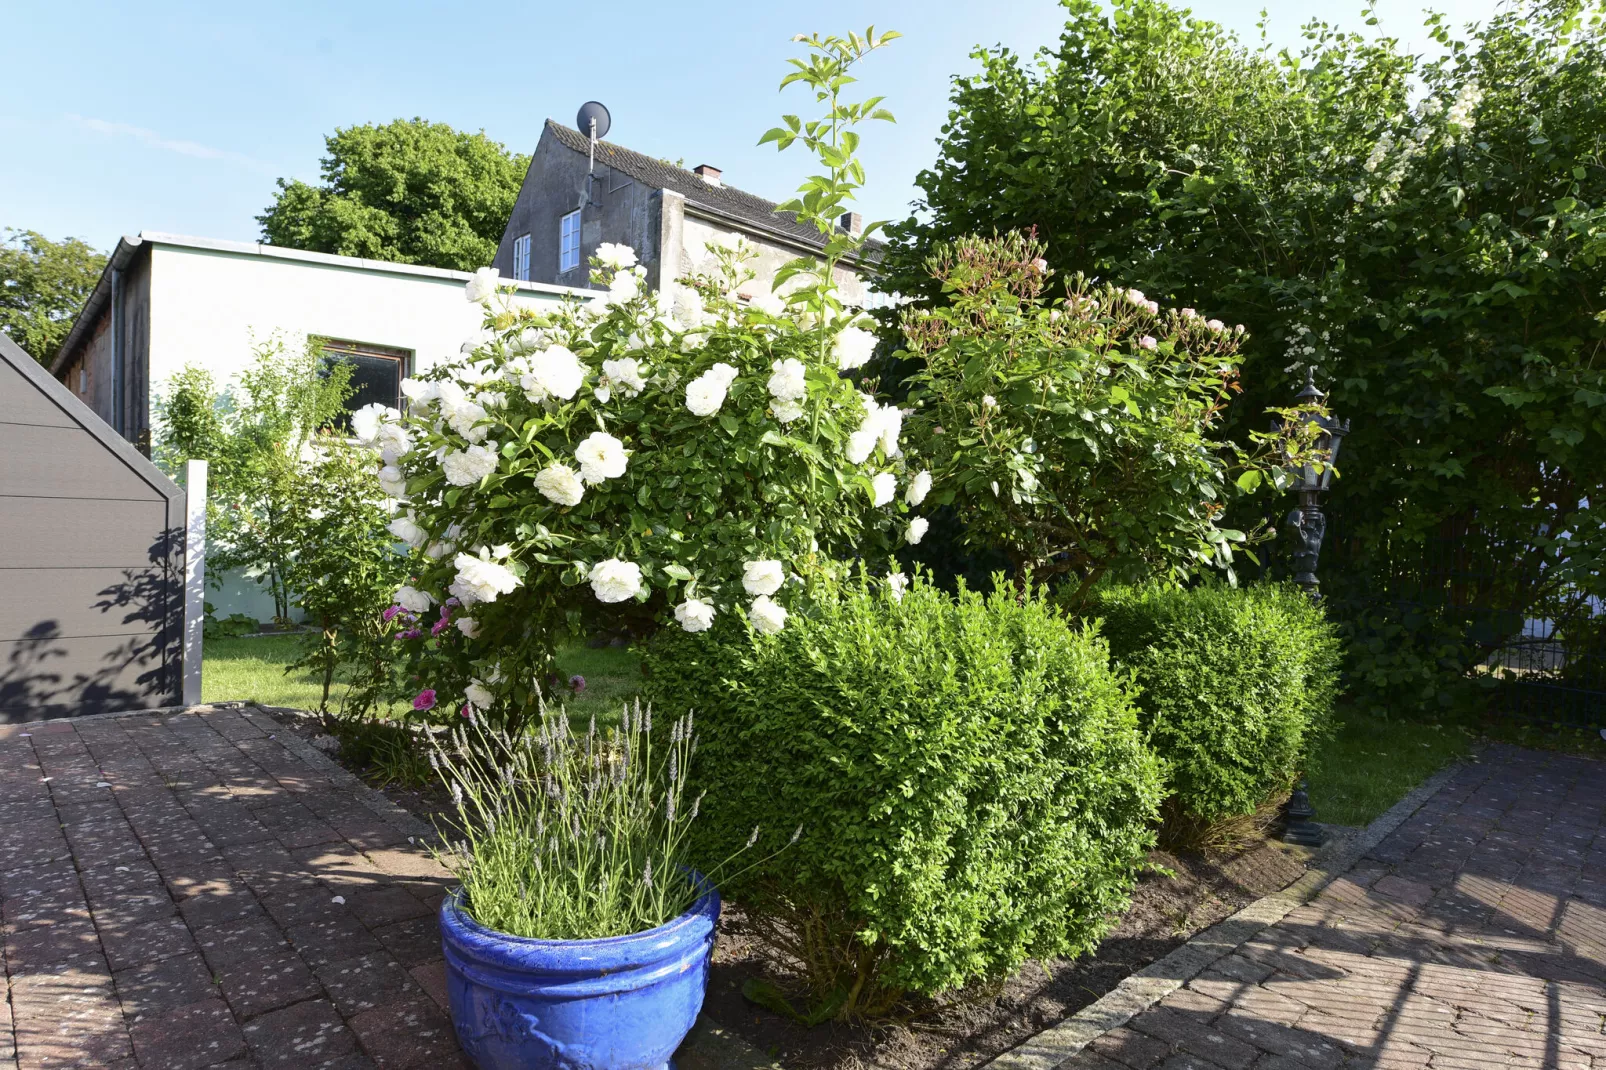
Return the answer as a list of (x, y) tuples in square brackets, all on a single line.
[(178, 117)]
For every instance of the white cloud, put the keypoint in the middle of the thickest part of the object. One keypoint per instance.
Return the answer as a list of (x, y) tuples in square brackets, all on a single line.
[(157, 141)]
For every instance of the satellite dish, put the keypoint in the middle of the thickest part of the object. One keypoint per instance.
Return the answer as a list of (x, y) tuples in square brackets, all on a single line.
[(591, 112)]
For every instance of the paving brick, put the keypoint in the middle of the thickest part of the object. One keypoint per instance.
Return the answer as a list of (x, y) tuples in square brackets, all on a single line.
[(365, 982), (305, 1034), (409, 1033), (188, 1037)]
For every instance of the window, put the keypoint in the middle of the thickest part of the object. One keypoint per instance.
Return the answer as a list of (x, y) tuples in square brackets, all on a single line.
[(569, 241), (376, 373), (521, 258)]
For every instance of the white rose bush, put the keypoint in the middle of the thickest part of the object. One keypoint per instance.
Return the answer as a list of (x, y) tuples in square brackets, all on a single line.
[(662, 461)]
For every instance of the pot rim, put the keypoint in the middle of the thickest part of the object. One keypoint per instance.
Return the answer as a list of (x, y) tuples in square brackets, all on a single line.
[(706, 905)]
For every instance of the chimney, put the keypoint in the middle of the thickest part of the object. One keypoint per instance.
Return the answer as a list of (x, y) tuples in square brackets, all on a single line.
[(707, 173), (852, 222)]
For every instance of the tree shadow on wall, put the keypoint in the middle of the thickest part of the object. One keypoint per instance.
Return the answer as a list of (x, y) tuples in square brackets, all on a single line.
[(50, 674)]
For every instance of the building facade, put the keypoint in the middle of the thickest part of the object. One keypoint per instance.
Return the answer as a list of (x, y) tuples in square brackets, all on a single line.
[(573, 200), (166, 301)]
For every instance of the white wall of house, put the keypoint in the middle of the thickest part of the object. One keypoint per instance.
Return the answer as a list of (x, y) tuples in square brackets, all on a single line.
[(210, 302)]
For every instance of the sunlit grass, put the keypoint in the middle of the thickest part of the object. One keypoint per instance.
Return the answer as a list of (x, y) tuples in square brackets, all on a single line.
[(1371, 763), (253, 670)]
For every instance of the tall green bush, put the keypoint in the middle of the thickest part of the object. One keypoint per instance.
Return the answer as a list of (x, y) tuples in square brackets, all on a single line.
[(1427, 231), (1234, 683), (967, 771)]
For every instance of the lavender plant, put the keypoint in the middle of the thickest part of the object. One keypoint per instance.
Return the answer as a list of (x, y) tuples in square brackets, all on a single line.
[(561, 836)]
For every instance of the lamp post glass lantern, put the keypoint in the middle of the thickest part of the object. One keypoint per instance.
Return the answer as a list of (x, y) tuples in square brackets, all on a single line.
[(1306, 524)]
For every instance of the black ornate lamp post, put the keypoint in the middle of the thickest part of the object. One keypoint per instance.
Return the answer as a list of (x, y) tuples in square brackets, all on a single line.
[(1305, 525)]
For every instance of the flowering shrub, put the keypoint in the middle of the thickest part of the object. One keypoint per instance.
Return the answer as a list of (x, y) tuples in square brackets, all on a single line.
[(1234, 685), (970, 776), (1078, 434), (680, 458)]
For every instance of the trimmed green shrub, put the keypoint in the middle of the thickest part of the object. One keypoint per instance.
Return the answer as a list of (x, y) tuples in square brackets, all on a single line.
[(968, 774), (1234, 683)]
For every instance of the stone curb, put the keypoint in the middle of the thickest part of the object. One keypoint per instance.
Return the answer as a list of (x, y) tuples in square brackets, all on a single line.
[(1055, 1045)]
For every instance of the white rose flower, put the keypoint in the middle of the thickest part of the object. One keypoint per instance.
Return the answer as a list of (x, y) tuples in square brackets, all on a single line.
[(439, 549), (392, 481), (465, 418), (722, 373), (768, 616), (625, 373), (528, 340), (916, 531), (889, 425), (614, 580), (479, 579), (919, 487), (789, 383), (481, 286), (704, 395), (408, 531), (860, 443), (623, 288), (466, 467), (616, 256), (1215, 325), (468, 626), (419, 392), (412, 599), (560, 484), (601, 457), (366, 422), (554, 371), (762, 577), (852, 347), (897, 584), (478, 695), (884, 487), (787, 411), (989, 402), (695, 615), (394, 442)]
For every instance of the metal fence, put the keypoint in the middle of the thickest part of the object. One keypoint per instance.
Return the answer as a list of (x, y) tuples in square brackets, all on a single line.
[(1495, 611)]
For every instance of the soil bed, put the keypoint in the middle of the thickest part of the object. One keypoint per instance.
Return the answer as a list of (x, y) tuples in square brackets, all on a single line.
[(970, 1027)]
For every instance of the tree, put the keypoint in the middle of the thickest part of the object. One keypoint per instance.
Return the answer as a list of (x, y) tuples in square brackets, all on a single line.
[(1439, 263), (43, 284), (257, 437), (410, 191)]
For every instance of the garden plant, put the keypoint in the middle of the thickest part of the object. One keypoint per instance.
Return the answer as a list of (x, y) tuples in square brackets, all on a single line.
[(1425, 231), (675, 457), (968, 770), (1234, 685)]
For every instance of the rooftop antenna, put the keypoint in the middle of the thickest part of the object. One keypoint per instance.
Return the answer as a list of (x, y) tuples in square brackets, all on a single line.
[(593, 120)]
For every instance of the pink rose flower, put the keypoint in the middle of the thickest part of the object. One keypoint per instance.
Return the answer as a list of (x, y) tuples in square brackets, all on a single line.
[(425, 699)]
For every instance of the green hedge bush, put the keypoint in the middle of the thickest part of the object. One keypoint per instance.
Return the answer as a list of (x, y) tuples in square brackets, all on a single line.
[(1234, 684), (968, 773)]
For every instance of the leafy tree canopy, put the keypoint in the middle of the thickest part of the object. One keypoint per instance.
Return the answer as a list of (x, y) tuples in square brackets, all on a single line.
[(43, 284), (411, 191), (1427, 233)]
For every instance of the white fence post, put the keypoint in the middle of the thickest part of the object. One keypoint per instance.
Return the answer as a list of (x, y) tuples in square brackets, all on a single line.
[(194, 577)]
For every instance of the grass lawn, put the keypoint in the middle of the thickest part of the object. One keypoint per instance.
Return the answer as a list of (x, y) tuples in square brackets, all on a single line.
[(1370, 763), (253, 669)]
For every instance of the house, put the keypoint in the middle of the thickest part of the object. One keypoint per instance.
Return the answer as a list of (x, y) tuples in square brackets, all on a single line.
[(165, 301), (670, 216), (92, 545)]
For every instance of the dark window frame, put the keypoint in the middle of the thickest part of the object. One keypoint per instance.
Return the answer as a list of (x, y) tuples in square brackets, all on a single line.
[(339, 348)]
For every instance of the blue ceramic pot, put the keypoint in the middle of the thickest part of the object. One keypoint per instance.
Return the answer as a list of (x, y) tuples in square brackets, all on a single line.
[(620, 1003)]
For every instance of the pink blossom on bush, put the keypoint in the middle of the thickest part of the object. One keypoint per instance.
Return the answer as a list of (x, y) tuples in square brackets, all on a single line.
[(425, 699), (577, 683)]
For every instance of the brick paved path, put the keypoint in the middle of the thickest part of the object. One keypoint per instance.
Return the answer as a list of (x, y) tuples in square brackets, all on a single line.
[(1473, 936), (187, 891)]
